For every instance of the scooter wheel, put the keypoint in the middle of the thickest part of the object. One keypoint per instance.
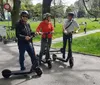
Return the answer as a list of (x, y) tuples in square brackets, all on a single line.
[(54, 56), (0, 38), (16, 40), (49, 64), (71, 62), (38, 71), (5, 41), (37, 55), (61, 50), (6, 73)]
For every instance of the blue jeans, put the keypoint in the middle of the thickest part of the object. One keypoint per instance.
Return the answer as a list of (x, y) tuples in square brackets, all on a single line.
[(30, 49), (67, 38)]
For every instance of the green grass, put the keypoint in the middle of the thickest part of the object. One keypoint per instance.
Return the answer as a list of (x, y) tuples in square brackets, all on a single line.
[(91, 25), (58, 29), (89, 44), (5, 23)]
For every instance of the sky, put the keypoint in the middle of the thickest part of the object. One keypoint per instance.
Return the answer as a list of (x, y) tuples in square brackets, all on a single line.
[(68, 2)]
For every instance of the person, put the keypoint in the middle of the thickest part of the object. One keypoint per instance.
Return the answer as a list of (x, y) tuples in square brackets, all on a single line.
[(45, 27), (24, 35), (69, 26), (85, 27)]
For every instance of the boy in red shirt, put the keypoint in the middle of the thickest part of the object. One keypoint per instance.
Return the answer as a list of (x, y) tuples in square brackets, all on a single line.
[(45, 29)]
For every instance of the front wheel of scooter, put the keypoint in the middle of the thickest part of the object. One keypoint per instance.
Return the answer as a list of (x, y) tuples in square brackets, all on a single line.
[(71, 62), (6, 73), (38, 71), (54, 57), (0, 38), (49, 64), (5, 41)]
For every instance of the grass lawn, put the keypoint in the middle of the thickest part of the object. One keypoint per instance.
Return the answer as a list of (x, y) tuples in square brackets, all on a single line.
[(89, 44), (58, 29)]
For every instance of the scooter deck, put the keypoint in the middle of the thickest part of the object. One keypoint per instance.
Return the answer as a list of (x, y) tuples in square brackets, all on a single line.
[(20, 72), (61, 59)]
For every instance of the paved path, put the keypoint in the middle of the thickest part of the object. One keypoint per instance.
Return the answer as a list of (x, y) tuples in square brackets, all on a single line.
[(77, 35), (85, 72)]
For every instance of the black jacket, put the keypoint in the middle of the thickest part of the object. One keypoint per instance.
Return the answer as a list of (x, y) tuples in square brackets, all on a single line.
[(23, 30)]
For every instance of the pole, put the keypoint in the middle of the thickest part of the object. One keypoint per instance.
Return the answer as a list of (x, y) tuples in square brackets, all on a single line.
[(54, 15)]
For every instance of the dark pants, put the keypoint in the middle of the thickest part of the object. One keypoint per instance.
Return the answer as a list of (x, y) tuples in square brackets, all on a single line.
[(45, 45), (85, 30), (67, 38), (29, 48)]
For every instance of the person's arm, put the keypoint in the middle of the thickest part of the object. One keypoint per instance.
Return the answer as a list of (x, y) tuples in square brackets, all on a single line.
[(39, 28), (64, 26), (52, 28), (18, 32)]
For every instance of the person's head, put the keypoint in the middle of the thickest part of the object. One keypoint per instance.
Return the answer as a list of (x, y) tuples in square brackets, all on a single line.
[(70, 15), (47, 17), (24, 16)]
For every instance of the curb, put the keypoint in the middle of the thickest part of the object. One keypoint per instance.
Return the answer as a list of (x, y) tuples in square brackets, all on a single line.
[(86, 54)]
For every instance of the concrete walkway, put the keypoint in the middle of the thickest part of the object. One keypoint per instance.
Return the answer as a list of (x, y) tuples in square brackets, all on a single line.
[(77, 35), (85, 72)]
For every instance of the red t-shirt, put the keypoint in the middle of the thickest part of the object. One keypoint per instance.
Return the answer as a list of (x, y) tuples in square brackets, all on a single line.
[(45, 27)]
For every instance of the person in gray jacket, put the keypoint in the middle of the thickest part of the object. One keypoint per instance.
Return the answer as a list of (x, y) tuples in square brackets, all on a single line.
[(68, 28)]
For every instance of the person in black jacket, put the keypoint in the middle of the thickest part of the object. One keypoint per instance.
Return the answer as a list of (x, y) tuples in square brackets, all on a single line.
[(24, 35)]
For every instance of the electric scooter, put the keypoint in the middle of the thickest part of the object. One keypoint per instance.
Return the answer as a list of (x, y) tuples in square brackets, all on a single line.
[(69, 58), (7, 73), (46, 52)]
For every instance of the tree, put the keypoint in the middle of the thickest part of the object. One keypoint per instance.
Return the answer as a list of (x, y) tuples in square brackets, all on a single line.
[(15, 12), (81, 13), (37, 10), (94, 7), (79, 9), (46, 6), (68, 9), (2, 9), (58, 9)]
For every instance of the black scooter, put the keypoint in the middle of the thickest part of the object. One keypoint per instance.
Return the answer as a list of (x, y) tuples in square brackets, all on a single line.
[(7, 73), (46, 61), (69, 58)]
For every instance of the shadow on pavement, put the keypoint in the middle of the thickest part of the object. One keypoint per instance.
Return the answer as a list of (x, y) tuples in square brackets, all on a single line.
[(21, 79)]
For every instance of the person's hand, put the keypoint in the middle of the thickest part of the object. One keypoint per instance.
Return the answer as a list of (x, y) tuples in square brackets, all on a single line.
[(37, 33), (52, 32), (41, 33), (27, 38), (76, 31), (65, 32)]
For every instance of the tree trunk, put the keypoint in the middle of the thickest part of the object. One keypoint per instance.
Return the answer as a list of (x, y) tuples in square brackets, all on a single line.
[(46, 6), (15, 12), (54, 15), (89, 11), (2, 9)]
